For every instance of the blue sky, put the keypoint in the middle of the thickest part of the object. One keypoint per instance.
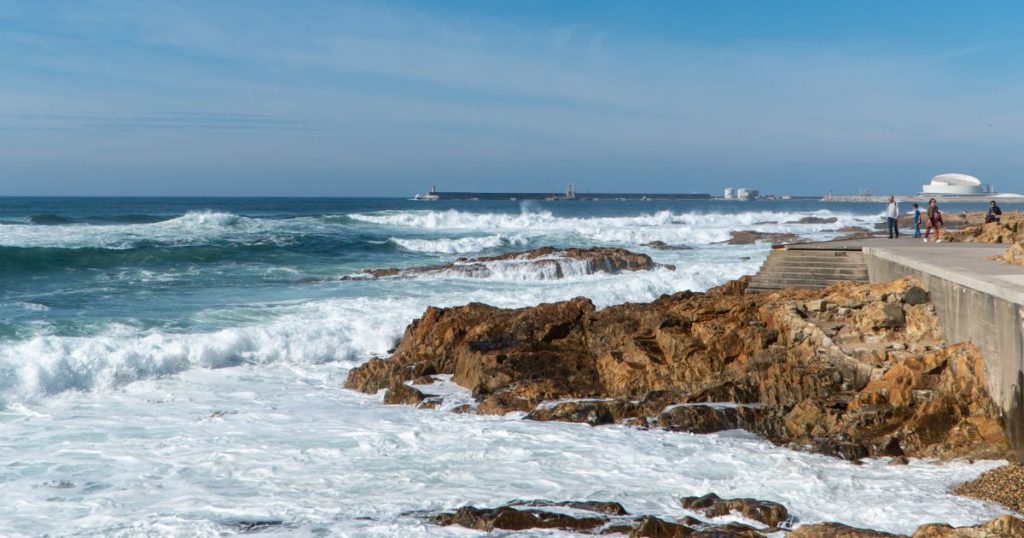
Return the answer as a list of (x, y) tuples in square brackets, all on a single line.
[(385, 98)]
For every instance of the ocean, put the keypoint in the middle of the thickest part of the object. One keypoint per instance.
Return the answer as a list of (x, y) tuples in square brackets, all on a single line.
[(173, 367)]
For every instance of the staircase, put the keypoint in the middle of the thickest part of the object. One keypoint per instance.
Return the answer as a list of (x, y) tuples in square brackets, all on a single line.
[(795, 267)]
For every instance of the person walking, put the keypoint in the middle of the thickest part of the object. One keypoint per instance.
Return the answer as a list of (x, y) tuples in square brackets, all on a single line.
[(994, 213), (892, 216), (917, 221), (934, 221)]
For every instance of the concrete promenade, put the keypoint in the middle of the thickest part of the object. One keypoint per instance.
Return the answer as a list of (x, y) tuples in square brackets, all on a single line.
[(977, 299)]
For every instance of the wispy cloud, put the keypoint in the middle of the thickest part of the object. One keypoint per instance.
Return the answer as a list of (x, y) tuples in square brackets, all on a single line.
[(364, 87)]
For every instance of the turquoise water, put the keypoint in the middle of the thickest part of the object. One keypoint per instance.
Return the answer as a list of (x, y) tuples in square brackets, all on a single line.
[(173, 366)]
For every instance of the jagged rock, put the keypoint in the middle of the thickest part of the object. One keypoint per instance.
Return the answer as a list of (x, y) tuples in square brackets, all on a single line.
[(508, 518), (546, 262), (705, 418), (853, 382), (814, 220), (403, 394), (893, 317), (652, 527), (593, 412), (603, 507), (770, 513), (838, 530), (661, 245), (747, 237), (377, 374)]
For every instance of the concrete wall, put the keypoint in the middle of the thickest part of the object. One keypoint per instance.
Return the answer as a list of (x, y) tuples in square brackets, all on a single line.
[(972, 311)]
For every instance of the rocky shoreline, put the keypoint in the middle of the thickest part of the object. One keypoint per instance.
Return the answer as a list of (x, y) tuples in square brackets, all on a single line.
[(853, 371)]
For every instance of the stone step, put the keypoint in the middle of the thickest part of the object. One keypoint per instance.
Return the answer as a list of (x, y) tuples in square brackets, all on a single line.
[(802, 268), (810, 268), (776, 283), (852, 254)]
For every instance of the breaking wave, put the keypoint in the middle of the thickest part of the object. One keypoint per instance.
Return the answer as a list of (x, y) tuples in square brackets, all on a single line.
[(461, 245), (690, 228)]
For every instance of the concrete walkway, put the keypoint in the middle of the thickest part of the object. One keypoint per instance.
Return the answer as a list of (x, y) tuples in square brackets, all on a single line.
[(968, 264)]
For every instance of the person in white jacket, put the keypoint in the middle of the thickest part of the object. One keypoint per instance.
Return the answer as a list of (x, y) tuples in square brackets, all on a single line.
[(892, 217)]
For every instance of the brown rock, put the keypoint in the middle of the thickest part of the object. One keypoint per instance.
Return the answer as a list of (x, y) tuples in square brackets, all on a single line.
[(770, 513), (747, 237), (602, 507), (814, 220), (375, 375), (507, 518), (851, 382), (548, 262), (838, 530), (652, 527), (661, 245), (403, 394)]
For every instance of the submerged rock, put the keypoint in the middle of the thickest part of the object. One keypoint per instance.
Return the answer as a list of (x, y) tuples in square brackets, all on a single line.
[(747, 237), (814, 220), (545, 262), (770, 513), (661, 245), (509, 518)]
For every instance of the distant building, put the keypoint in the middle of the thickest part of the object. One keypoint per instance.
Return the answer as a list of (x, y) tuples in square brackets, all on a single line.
[(747, 194), (955, 185), (729, 194)]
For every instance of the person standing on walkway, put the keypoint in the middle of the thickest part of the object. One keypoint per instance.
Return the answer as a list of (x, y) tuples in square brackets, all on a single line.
[(917, 221), (994, 213), (892, 216), (934, 221)]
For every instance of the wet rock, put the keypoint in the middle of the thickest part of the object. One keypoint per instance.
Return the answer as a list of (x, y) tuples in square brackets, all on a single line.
[(545, 262), (832, 380), (508, 518), (403, 394), (661, 245), (838, 530), (652, 527), (603, 507), (814, 220), (770, 513), (698, 418), (377, 374), (593, 412), (747, 237)]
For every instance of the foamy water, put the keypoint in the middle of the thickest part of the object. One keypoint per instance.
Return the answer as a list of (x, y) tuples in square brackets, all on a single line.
[(181, 376)]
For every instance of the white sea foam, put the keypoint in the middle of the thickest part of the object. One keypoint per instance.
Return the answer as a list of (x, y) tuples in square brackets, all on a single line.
[(343, 329), (289, 445), (673, 228), (460, 245)]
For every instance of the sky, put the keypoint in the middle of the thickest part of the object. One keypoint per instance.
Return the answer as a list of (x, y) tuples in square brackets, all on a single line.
[(334, 98)]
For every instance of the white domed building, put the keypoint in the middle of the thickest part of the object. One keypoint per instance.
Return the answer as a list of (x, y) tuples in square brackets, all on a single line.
[(955, 185)]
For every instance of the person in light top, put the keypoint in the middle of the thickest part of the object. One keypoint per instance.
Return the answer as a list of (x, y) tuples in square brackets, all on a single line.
[(892, 215)]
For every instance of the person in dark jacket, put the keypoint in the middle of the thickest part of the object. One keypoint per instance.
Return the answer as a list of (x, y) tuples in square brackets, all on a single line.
[(934, 221), (994, 213)]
